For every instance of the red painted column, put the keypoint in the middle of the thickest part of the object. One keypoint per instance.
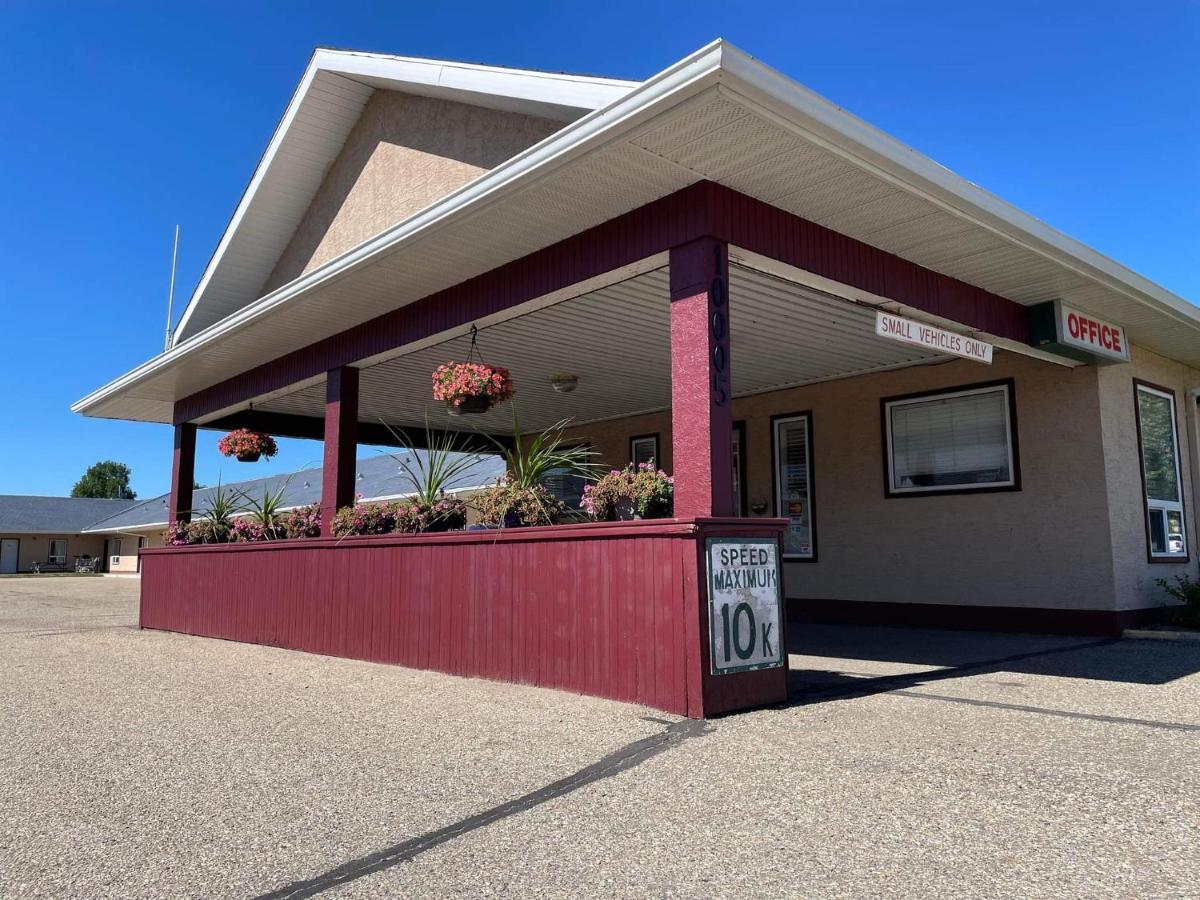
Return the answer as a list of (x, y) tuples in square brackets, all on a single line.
[(183, 473), (701, 391), (341, 443)]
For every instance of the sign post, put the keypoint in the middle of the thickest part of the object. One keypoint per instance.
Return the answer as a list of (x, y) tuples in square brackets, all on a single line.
[(744, 604)]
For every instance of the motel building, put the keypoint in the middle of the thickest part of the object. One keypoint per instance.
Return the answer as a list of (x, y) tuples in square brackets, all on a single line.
[(886, 395)]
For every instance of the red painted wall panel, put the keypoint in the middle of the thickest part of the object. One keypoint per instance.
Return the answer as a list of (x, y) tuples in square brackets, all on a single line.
[(613, 610), (601, 615)]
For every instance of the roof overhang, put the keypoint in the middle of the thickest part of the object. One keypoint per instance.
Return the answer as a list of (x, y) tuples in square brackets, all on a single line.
[(327, 102), (718, 115)]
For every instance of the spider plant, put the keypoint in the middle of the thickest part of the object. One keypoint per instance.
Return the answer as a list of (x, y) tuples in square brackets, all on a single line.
[(435, 470), (218, 513), (531, 458), (265, 511)]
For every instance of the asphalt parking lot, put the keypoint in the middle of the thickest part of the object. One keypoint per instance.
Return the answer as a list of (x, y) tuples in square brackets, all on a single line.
[(910, 763)]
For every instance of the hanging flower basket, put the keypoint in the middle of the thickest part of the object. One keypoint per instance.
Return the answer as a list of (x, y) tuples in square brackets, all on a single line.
[(247, 446), (471, 388)]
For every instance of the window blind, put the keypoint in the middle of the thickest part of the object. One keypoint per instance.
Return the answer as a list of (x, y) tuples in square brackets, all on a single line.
[(951, 441)]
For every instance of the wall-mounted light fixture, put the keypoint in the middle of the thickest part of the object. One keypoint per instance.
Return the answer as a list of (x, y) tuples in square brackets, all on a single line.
[(564, 382)]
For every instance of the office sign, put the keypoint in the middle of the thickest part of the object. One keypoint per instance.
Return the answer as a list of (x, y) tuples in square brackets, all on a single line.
[(744, 604), (1060, 328), (939, 340)]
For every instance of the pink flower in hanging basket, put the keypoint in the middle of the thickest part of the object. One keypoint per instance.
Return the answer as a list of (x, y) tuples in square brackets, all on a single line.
[(246, 444), (456, 382)]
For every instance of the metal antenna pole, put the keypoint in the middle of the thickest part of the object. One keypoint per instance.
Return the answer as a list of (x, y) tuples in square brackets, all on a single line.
[(171, 292)]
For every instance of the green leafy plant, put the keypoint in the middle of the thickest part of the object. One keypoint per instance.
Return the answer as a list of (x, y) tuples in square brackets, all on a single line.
[(438, 468), (529, 459), (265, 512), (1186, 591), (216, 519)]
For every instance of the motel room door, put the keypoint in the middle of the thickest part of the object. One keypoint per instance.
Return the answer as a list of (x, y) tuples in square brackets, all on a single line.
[(9, 552)]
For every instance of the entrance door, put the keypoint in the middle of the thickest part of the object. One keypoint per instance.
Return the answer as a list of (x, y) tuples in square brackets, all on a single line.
[(9, 548)]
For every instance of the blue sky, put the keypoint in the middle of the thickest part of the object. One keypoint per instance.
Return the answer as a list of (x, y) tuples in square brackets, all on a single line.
[(121, 120)]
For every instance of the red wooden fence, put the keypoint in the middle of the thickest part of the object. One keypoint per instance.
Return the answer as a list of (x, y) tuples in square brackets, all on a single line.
[(611, 609)]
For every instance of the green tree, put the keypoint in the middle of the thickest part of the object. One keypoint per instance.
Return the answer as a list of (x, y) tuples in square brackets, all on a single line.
[(107, 480)]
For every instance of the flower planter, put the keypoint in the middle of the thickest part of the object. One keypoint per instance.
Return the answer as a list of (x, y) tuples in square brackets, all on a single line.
[(247, 446), (470, 406)]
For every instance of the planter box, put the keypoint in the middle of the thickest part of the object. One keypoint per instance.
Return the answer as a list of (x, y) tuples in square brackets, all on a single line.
[(615, 610)]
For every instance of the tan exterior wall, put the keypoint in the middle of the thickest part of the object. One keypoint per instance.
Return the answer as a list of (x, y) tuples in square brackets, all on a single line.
[(1133, 574), (35, 548), (1046, 545), (404, 153)]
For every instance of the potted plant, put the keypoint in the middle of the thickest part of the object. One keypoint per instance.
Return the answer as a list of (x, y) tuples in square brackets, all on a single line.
[(635, 492), (510, 505), (471, 387), (247, 446), (521, 498)]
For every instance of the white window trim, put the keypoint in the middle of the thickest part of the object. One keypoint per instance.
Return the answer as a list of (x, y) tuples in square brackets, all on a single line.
[(52, 557), (1165, 506), (651, 439), (1012, 483), (777, 476)]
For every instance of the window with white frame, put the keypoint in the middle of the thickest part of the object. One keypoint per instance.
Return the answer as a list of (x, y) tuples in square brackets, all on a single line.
[(58, 551), (1158, 440), (951, 441), (793, 484), (115, 551), (643, 449)]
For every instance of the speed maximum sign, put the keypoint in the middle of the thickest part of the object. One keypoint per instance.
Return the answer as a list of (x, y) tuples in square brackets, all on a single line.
[(744, 599)]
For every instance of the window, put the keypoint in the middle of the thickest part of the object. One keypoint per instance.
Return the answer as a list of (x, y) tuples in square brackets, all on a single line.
[(115, 551), (58, 551), (739, 468), (565, 485), (1159, 451), (962, 440), (792, 449), (644, 449)]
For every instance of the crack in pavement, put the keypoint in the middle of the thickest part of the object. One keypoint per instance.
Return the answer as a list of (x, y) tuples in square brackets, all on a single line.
[(620, 760)]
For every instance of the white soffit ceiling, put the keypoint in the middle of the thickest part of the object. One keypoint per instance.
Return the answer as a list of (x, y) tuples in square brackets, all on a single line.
[(716, 115), (617, 341), (328, 101)]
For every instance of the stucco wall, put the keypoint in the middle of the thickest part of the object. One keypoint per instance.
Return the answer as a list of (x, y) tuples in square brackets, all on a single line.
[(404, 153), (1046, 545), (35, 548), (127, 563), (1134, 575)]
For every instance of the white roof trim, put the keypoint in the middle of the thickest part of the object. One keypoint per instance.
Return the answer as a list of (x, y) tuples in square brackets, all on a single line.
[(825, 123), (547, 94), (692, 74), (741, 74)]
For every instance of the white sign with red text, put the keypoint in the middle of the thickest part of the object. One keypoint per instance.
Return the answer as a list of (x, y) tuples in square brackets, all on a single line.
[(938, 340), (1085, 332)]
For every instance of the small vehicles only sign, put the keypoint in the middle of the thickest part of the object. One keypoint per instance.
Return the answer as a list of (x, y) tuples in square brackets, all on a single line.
[(744, 599)]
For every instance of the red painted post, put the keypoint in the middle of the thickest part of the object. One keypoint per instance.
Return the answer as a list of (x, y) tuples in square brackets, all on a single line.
[(183, 473), (341, 443), (701, 390)]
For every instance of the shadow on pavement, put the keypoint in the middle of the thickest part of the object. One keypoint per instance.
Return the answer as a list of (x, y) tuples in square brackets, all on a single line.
[(957, 652)]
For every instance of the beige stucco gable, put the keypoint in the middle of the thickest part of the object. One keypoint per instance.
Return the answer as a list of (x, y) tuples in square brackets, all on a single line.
[(404, 153)]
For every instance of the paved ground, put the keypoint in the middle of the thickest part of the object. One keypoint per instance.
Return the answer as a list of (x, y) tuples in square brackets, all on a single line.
[(912, 763)]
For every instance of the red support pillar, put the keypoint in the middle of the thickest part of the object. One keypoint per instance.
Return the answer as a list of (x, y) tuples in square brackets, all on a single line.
[(183, 473), (701, 391), (341, 443)]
